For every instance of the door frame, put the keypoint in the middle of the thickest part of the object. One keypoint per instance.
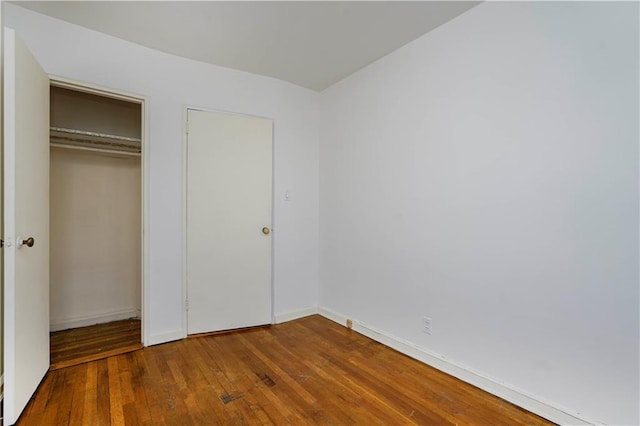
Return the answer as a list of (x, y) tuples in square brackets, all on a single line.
[(185, 137), (94, 89)]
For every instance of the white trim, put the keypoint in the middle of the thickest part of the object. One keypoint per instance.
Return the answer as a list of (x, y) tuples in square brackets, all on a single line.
[(57, 324), (292, 315), (170, 336), (9, 217), (83, 86), (503, 390), (272, 225), (185, 295), (146, 210)]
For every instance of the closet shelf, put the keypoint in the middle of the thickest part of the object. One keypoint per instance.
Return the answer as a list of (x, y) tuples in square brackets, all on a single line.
[(83, 139)]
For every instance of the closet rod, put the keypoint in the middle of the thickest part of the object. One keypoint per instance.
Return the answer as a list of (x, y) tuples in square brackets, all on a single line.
[(105, 151), (93, 134)]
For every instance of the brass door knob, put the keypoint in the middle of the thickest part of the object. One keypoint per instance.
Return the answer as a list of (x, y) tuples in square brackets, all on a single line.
[(266, 230)]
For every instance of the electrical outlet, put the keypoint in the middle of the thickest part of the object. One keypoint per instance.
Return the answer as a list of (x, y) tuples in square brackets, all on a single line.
[(427, 325)]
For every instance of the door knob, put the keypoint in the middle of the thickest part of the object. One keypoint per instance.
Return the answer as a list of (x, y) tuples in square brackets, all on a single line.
[(266, 230), (29, 242)]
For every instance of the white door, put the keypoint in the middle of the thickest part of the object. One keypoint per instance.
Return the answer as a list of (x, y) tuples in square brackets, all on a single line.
[(229, 177), (26, 221)]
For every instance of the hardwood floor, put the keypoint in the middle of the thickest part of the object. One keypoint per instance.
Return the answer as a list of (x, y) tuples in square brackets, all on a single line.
[(79, 345), (307, 371)]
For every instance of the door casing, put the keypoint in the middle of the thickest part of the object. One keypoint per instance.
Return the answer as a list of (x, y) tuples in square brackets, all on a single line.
[(79, 86)]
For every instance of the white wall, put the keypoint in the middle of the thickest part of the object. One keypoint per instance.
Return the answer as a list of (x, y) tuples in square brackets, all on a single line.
[(95, 238), (171, 83), (486, 175)]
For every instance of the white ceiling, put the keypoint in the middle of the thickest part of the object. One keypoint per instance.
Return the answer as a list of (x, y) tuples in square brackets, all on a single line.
[(313, 44)]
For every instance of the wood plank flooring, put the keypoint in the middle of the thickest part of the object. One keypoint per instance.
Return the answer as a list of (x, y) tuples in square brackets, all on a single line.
[(307, 371), (79, 345)]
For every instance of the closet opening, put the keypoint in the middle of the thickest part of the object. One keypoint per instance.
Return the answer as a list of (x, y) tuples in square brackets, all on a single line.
[(96, 224)]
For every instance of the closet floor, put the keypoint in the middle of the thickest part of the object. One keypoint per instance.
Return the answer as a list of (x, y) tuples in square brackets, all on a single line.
[(84, 344)]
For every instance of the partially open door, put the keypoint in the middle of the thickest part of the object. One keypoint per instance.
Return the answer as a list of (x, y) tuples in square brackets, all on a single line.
[(26, 225)]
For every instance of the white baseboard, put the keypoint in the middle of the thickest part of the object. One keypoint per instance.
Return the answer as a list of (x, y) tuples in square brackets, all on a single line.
[(292, 315), (57, 324), (170, 336), (158, 339), (503, 390)]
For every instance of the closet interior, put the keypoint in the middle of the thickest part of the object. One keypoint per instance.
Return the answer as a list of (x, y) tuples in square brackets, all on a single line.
[(95, 226)]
